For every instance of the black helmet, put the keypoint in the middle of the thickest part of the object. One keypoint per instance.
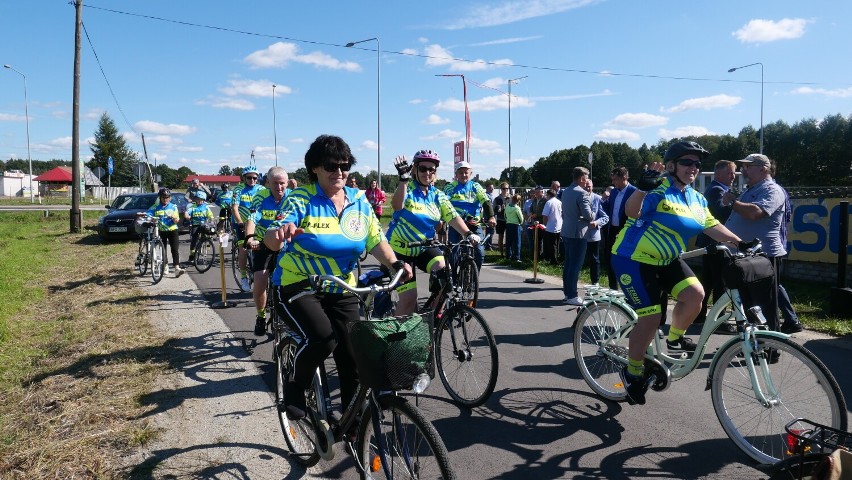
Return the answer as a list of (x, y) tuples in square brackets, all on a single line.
[(164, 192), (680, 149), (224, 186)]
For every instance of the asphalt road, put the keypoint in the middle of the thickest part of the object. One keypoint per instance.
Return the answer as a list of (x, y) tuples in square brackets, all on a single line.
[(543, 422)]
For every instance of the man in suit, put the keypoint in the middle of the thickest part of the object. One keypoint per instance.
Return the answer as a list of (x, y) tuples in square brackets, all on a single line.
[(576, 215), (593, 234), (614, 207)]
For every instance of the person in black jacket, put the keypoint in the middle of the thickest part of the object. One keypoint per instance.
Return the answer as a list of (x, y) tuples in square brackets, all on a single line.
[(614, 206)]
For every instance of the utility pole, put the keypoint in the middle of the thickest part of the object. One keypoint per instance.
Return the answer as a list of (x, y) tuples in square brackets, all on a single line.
[(76, 218)]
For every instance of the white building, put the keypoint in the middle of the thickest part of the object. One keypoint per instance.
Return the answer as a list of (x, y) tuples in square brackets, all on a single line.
[(16, 183)]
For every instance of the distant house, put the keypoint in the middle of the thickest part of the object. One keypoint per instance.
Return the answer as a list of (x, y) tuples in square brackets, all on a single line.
[(213, 180), (15, 183), (58, 180)]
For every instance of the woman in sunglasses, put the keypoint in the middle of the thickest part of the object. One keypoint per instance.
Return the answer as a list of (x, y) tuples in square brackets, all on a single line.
[(418, 208), (663, 215), (326, 226)]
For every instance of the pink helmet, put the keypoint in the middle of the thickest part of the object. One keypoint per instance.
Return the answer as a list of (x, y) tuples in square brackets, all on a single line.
[(427, 155)]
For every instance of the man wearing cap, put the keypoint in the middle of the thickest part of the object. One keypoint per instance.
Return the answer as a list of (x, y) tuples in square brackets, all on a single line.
[(758, 213), (472, 204)]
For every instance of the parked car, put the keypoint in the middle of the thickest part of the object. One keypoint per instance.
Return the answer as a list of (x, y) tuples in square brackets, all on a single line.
[(118, 223)]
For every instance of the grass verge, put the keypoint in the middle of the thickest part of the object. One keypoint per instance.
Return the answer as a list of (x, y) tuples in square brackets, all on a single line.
[(74, 356)]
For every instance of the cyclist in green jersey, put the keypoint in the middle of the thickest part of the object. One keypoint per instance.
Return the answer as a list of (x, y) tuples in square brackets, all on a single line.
[(418, 208)]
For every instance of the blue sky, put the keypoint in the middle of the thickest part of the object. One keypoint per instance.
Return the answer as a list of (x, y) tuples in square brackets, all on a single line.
[(196, 76)]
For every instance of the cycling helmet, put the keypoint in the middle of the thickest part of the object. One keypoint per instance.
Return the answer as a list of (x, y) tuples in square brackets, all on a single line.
[(680, 149), (201, 195), (224, 186), (250, 169), (427, 155), (164, 192)]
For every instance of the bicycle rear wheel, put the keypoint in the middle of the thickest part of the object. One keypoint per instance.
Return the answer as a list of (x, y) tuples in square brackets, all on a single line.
[(299, 434), (803, 388), (398, 442), (595, 336), (205, 254), (158, 260), (468, 281), (142, 257), (466, 355)]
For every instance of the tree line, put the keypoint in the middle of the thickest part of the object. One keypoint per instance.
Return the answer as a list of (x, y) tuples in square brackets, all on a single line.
[(808, 153)]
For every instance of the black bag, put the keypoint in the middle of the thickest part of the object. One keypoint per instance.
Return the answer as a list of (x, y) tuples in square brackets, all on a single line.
[(754, 277)]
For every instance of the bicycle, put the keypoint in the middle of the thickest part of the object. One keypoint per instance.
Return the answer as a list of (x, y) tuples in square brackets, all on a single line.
[(390, 434), (151, 252), (466, 356), (235, 265), (813, 449), (759, 379), (205, 247)]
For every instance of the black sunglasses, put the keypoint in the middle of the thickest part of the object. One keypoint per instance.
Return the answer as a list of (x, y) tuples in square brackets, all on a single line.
[(251, 178), (424, 169), (689, 163), (331, 167)]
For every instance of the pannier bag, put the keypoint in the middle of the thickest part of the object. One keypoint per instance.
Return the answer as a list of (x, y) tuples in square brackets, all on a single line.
[(392, 352)]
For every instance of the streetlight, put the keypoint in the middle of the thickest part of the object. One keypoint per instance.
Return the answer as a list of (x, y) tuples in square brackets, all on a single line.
[(510, 82), (378, 104), (27, 112), (274, 127), (761, 97)]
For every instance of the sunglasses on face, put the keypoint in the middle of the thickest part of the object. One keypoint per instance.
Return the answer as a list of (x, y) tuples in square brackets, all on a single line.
[(332, 167), (425, 169), (251, 178), (689, 163)]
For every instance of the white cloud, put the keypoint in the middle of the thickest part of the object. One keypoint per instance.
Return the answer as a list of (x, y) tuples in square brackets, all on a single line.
[(705, 103), (230, 103), (617, 135), (148, 126), (435, 120), (190, 149), (409, 51), (638, 120), (443, 135), (559, 98), (416, 101), (688, 131), (6, 117), (489, 15), (93, 114), (834, 93), (254, 88), (485, 147), (503, 41), (762, 31), (280, 54), (439, 56), (487, 104), (369, 145)]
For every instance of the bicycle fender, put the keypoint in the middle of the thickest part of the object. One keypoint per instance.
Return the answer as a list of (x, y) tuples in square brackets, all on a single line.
[(759, 333)]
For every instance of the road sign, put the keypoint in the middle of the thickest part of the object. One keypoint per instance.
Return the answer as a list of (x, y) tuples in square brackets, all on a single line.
[(109, 165), (458, 152), (591, 158)]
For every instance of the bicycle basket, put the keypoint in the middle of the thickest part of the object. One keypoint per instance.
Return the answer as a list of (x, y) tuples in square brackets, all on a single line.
[(745, 271), (209, 228), (392, 352), (142, 223)]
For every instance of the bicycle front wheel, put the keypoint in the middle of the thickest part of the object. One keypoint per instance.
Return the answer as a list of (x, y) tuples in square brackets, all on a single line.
[(796, 384), (466, 355), (468, 282), (596, 338), (158, 260), (142, 257), (398, 442), (205, 254), (299, 434)]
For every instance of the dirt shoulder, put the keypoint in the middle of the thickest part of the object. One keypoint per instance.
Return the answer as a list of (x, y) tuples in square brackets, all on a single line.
[(214, 412)]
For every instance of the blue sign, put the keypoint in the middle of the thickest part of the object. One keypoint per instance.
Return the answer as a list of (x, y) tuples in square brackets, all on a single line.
[(109, 165)]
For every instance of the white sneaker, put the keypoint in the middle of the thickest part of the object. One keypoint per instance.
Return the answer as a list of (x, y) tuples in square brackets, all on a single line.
[(166, 270), (576, 301), (244, 284), (179, 271)]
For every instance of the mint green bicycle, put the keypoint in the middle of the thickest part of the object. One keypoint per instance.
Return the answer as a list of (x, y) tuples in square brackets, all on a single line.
[(759, 380)]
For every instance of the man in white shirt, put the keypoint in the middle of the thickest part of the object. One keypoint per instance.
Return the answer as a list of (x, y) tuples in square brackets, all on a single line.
[(552, 220)]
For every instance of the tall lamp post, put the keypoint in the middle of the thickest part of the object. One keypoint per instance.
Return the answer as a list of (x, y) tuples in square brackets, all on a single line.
[(274, 125), (378, 105), (510, 82), (761, 96), (27, 113)]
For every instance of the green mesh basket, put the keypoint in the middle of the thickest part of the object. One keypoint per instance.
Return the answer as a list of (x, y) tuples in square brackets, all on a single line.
[(392, 352)]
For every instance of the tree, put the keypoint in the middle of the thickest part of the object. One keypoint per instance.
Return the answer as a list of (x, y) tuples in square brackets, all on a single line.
[(109, 143), (225, 170)]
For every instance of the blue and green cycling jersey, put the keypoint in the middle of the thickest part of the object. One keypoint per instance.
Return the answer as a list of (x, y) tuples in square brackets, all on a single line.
[(669, 218), (331, 243), (167, 216), (266, 210), (200, 214), (418, 217), (224, 199), (467, 199), (243, 196)]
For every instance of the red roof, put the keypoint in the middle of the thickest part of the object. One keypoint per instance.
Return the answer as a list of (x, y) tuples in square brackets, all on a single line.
[(57, 175), (213, 179)]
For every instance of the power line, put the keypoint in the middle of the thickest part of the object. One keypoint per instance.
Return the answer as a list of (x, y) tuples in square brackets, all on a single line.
[(111, 92), (455, 59)]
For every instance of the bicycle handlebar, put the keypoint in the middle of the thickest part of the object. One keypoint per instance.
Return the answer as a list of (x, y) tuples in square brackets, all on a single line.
[(317, 281), (431, 242), (753, 250)]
